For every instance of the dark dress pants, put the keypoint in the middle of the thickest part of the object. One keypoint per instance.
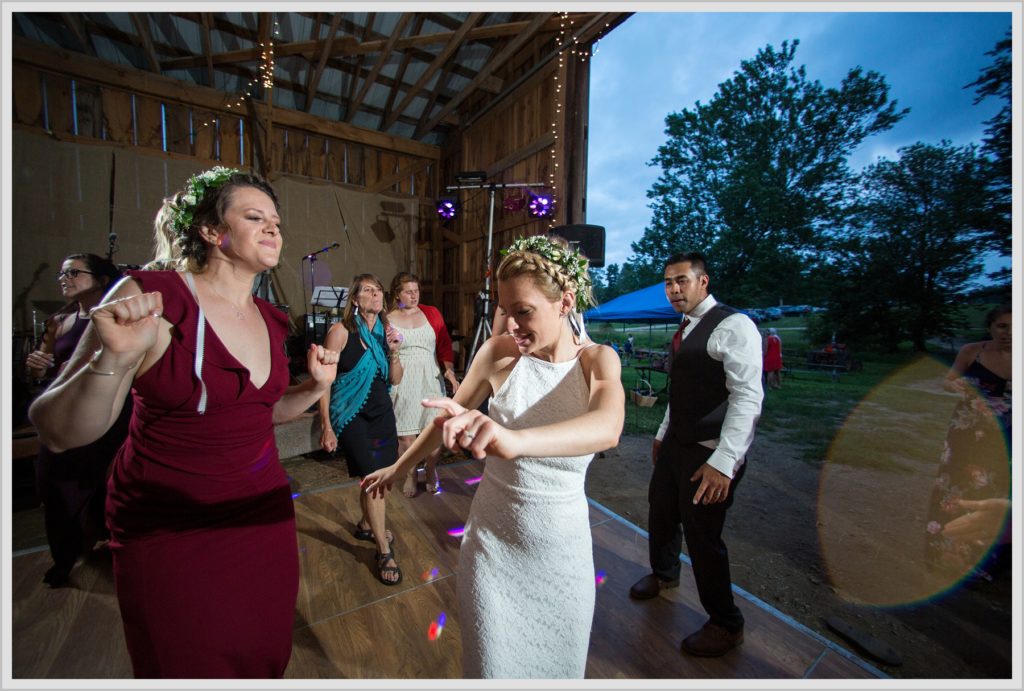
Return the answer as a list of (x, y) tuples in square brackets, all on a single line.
[(671, 504)]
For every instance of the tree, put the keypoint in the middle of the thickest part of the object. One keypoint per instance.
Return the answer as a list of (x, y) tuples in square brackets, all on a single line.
[(757, 177), (913, 249), (996, 81)]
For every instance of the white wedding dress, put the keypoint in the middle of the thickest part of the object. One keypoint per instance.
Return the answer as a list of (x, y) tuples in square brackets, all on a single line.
[(526, 581)]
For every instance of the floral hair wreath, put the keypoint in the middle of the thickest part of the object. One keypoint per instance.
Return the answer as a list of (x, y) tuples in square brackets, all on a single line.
[(573, 263), (183, 211)]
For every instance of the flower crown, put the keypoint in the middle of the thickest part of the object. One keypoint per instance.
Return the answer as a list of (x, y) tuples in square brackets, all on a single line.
[(184, 209), (573, 263)]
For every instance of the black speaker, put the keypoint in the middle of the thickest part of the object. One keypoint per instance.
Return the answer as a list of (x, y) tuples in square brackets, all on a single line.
[(587, 238)]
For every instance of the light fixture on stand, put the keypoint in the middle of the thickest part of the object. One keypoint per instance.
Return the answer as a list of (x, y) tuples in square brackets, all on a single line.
[(540, 204), (447, 209), (476, 181)]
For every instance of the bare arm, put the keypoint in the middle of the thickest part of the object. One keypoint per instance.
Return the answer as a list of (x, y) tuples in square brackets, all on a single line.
[(83, 402), (337, 339), (41, 360), (322, 365), (475, 389), (953, 381)]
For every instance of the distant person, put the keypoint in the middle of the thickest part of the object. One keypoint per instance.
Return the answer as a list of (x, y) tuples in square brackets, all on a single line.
[(627, 350), (526, 570), (699, 453), (73, 485), (773, 359), (975, 464), (428, 370)]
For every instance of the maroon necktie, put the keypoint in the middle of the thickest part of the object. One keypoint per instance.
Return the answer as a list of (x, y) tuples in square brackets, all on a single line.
[(677, 337)]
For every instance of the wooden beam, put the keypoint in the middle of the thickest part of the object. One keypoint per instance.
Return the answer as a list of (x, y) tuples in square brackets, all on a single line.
[(382, 59), (208, 49), (358, 59), (74, 23), (325, 53), (491, 65), (74, 64), (442, 80), (141, 22), (389, 180), (542, 142), (407, 57), (452, 46)]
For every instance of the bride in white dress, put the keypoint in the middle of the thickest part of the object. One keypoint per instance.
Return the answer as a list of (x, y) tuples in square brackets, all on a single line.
[(526, 581)]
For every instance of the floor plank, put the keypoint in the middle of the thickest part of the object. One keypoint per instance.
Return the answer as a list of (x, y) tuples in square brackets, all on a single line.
[(348, 625)]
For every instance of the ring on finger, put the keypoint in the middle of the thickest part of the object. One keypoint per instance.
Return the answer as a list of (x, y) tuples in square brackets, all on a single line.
[(468, 436)]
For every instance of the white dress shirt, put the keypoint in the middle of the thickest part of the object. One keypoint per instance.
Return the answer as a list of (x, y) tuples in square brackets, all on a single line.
[(736, 343)]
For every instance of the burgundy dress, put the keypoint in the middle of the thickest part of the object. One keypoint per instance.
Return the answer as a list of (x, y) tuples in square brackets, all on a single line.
[(200, 511)]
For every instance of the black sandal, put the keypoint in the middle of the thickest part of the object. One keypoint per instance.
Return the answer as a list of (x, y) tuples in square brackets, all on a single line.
[(367, 534), (382, 568)]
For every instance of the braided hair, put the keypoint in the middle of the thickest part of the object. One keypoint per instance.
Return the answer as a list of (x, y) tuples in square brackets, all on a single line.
[(552, 265)]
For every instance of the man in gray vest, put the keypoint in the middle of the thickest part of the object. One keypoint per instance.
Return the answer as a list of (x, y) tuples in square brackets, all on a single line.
[(699, 452)]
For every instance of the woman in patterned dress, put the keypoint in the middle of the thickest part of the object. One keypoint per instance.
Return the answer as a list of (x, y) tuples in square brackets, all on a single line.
[(974, 471), (425, 345)]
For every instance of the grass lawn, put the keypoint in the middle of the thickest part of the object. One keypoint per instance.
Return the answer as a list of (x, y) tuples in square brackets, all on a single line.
[(842, 420)]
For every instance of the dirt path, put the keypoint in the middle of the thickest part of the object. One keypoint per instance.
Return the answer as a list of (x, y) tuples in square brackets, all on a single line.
[(819, 540)]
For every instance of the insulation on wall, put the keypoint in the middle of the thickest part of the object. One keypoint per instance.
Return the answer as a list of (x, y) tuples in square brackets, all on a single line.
[(62, 204)]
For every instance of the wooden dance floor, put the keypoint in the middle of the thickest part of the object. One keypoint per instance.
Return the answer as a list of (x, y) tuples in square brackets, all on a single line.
[(350, 626)]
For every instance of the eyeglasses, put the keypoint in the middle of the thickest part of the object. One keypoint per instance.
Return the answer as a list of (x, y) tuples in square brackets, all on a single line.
[(73, 273)]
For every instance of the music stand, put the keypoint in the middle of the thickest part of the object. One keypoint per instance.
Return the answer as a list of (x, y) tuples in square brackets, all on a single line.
[(329, 296)]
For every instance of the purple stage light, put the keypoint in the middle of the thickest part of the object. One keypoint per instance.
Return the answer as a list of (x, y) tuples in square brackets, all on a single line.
[(447, 208), (541, 205)]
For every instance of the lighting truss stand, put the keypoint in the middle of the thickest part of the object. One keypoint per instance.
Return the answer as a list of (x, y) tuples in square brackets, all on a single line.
[(482, 331)]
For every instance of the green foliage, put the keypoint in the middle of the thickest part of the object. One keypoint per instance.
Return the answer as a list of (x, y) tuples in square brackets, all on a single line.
[(996, 81), (754, 177), (914, 247)]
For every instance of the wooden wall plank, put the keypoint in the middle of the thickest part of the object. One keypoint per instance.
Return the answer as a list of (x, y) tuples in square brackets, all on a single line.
[(149, 123), (60, 113), (335, 160), (89, 109), (204, 126), (179, 139), (316, 146), (277, 149), (117, 116), (229, 138), (355, 164), (28, 95)]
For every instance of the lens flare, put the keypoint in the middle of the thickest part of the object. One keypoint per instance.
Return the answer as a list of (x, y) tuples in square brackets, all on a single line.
[(457, 532), (600, 578), (474, 480), (436, 627), (884, 494), (430, 575)]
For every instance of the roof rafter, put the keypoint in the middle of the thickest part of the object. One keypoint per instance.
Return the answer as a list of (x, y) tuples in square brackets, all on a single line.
[(314, 80), (141, 22), (381, 61)]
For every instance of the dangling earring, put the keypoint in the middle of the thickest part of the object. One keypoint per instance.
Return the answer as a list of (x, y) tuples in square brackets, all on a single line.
[(220, 241)]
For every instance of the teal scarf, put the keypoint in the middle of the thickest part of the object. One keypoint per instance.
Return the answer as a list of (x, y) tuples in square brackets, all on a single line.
[(351, 389)]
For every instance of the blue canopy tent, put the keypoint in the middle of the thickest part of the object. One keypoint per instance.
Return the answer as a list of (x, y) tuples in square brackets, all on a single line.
[(647, 305)]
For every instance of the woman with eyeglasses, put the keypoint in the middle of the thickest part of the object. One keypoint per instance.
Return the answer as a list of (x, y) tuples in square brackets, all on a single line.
[(72, 485)]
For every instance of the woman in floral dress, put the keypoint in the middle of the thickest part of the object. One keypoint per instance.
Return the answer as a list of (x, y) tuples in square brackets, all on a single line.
[(974, 472)]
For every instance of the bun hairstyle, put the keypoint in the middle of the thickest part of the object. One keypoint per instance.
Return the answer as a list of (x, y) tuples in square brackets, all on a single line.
[(203, 201), (554, 267)]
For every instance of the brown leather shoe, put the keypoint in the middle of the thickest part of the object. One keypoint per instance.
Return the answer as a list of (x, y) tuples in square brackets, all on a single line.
[(649, 586), (711, 641)]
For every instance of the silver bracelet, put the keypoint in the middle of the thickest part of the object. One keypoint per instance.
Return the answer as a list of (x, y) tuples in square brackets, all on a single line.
[(95, 356)]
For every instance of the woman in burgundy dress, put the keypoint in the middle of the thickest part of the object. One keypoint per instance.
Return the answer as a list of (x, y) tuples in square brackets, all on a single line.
[(72, 485), (199, 508)]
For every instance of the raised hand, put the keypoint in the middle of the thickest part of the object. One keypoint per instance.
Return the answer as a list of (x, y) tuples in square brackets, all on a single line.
[(394, 338), (127, 327), (322, 365)]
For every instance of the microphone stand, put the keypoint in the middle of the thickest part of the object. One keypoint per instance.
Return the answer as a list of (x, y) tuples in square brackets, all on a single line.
[(312, 258)]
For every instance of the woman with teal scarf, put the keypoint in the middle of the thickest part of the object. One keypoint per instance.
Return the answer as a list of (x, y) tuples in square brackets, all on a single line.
[(357, 416)]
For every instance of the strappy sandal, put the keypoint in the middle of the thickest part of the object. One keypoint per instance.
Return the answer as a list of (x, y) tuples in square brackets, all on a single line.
[(361, 533), (383, 569)]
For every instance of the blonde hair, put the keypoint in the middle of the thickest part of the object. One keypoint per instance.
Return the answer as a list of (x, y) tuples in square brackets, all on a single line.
[(544, 259)]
